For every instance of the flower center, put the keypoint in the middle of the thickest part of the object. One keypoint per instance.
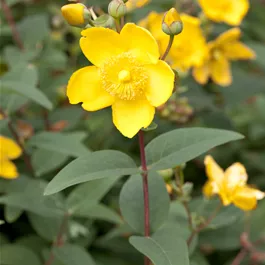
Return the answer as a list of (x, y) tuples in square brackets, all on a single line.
[(124, 77)]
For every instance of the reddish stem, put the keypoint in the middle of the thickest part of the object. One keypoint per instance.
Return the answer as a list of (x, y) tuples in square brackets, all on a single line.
[(145, 190), (204, 225), (59, 239), (10, 20), (239, 258)]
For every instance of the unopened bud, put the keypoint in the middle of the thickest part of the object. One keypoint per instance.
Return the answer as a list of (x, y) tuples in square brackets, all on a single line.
[(172, 24), (117, 8), (76, 14), (105, 21)]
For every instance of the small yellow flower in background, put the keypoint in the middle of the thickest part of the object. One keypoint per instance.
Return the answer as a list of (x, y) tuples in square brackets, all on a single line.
[(134, 4), (8, 150), (216, 65), (230, 185), (172, 24), (184, 53), (74, 14), (127, 75), (231, 12)]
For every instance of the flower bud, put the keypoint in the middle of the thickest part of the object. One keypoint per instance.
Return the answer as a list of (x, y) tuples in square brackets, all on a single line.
[(76, 14), (117, 8), (172, 24)]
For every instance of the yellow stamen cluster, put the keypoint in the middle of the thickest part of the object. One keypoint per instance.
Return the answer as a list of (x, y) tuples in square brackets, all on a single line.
[(123, 77)]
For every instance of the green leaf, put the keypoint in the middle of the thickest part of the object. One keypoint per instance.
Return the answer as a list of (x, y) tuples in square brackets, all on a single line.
[(181, 145), (97, 165), (260, 52), (98, 212), (33, 29), (235, 95), (18, 255), (63, 143), (46, 227), (12, 213), (89, 193), (22, 80), (12, 55), (32, 199), (131, 202), (73, 255), (45, 161), (163, 248)]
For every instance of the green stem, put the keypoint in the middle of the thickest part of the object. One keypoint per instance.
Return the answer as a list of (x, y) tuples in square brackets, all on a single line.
[(170, 42)]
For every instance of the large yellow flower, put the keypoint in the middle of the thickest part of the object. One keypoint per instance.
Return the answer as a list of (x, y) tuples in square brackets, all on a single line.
[(184, 52), (127, 75), (231, 12), (230, 185), (225, 48), (8, 150)]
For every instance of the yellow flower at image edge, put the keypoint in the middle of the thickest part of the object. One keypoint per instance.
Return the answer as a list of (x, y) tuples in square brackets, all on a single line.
[(230, 185), (127, 75), (225, 48), (8, 150), (231, 12)]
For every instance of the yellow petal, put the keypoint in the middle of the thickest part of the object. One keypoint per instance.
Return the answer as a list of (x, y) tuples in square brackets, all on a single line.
[(245, 198), (132, 115), (229, 11), (99, 44), (201, 73), (210, 188), (235, 176), (161, 83), (9, 148), (228, 36), (213, 170), (238, 51), (220, 71), (238, 10), (84, 86), (140, 42), (8, 169)]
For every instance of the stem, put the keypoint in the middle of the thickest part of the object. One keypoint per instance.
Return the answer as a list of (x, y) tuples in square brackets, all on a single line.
[(59, 239), (240, 256), (145, 190), (179, 176), (122, 22), (204, 225), (26, 157), (170, 42), (10, 20), (46, 120), (118, 25)]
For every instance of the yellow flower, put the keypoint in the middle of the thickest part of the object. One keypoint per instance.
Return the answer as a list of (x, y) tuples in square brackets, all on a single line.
[(127, 75), (231, 12), (8, 150), (134, 4), (74, 14), (184, 52), (230, 185), (226, 47)]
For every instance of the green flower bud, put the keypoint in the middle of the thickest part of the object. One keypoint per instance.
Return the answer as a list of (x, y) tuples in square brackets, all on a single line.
[(117, 8), (172, 24)]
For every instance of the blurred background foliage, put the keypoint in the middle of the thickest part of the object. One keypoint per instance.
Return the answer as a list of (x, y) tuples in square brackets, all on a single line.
[(34, 74)]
